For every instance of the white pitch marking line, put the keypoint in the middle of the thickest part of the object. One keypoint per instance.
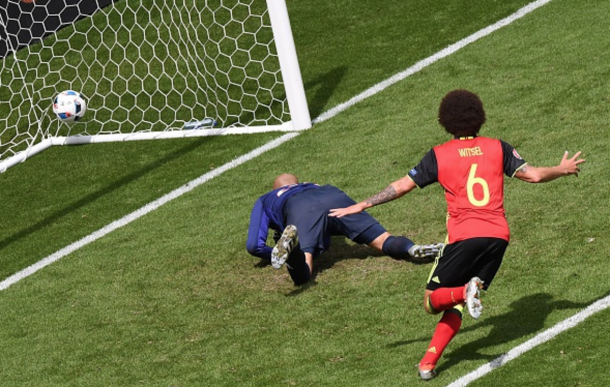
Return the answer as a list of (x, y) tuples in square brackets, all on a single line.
[(273, 144), (430, 60), (540, 338), (463, 381), (144, 210)]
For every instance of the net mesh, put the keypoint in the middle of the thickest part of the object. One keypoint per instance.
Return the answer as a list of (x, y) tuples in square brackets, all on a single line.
[(144, 66)]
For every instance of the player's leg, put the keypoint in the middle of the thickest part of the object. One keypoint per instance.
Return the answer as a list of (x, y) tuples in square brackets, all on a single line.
[(461, 271), (450, 301), (395, 247), (309, 262), (443, 296), (305, 212), (400, 247), (364, 229), (299, 265), (452, 271), (425, 253), (474, 262), (472, 293), (486, 266), (446, 329), (459, 261), (284, 246)]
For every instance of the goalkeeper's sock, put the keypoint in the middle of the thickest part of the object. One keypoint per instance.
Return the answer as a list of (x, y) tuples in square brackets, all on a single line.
[(446, 329), (446, 298), (397, 247)]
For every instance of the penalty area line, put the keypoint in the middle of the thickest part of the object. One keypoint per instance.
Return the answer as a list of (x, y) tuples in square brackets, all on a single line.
[(273, 144), (539, 339), (430, 60), (144, 210)]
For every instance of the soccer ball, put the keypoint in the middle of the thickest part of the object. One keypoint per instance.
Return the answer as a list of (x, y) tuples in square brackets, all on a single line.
[(69, 106)]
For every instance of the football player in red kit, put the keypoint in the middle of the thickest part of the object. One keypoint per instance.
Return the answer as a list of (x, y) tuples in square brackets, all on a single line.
[(471, 169)]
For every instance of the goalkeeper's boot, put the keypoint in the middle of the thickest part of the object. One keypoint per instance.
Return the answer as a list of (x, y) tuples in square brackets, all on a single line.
[(425, 253), (473, 293), (284, 246), (426, 371)]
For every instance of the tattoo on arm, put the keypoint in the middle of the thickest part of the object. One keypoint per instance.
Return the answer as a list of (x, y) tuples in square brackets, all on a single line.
[(521, 171), (384, 196)]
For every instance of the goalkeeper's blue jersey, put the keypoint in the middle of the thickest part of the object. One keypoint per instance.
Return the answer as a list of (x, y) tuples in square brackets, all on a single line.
[(268, 213)]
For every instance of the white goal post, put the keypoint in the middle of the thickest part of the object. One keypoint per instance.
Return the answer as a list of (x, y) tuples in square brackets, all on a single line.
[(148, 69)]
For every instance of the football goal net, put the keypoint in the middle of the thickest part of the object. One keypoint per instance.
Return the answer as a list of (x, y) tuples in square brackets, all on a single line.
[(149, 69)]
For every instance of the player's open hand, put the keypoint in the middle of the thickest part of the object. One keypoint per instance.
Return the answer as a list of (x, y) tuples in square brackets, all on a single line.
[(570, 165), (341, 212)]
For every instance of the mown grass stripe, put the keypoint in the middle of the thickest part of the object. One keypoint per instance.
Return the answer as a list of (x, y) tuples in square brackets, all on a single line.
[(431, 60), (143, 210), (539, 339)]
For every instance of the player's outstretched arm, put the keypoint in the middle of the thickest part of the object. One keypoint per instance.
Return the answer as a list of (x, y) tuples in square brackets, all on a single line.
[(391, 192), (567, 167)]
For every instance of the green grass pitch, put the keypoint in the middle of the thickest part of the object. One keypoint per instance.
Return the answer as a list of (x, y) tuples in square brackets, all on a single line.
[(174, 299)]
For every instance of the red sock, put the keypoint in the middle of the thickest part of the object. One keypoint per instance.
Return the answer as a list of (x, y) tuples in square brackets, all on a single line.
[(446, 329), (446, 298)]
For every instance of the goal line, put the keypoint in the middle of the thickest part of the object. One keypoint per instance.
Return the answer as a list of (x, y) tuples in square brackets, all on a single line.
[(539, 339), (154, 71)]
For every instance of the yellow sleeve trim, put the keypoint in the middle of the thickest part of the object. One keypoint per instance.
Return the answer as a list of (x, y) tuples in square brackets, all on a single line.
[(518, 169), (413, 181)]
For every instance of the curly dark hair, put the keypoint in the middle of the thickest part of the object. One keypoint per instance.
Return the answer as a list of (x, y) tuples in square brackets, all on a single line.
[(461, 113)]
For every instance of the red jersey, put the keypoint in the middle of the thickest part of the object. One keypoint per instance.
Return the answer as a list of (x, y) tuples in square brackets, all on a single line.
[(471, 170)]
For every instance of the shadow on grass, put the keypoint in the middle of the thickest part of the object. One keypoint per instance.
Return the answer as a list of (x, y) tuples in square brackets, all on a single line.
[(75, 206), (326, 85), (340, 250), (322, 88), (526, 317), (302, 288)]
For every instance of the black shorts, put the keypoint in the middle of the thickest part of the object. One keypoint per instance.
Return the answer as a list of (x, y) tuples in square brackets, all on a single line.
[(460, 261), (308, 211)]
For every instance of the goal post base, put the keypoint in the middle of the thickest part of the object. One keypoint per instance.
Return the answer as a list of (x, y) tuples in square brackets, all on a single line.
[(143, 79)]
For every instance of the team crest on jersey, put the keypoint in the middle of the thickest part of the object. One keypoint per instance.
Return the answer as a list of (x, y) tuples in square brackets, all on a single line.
[(516, 154)]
